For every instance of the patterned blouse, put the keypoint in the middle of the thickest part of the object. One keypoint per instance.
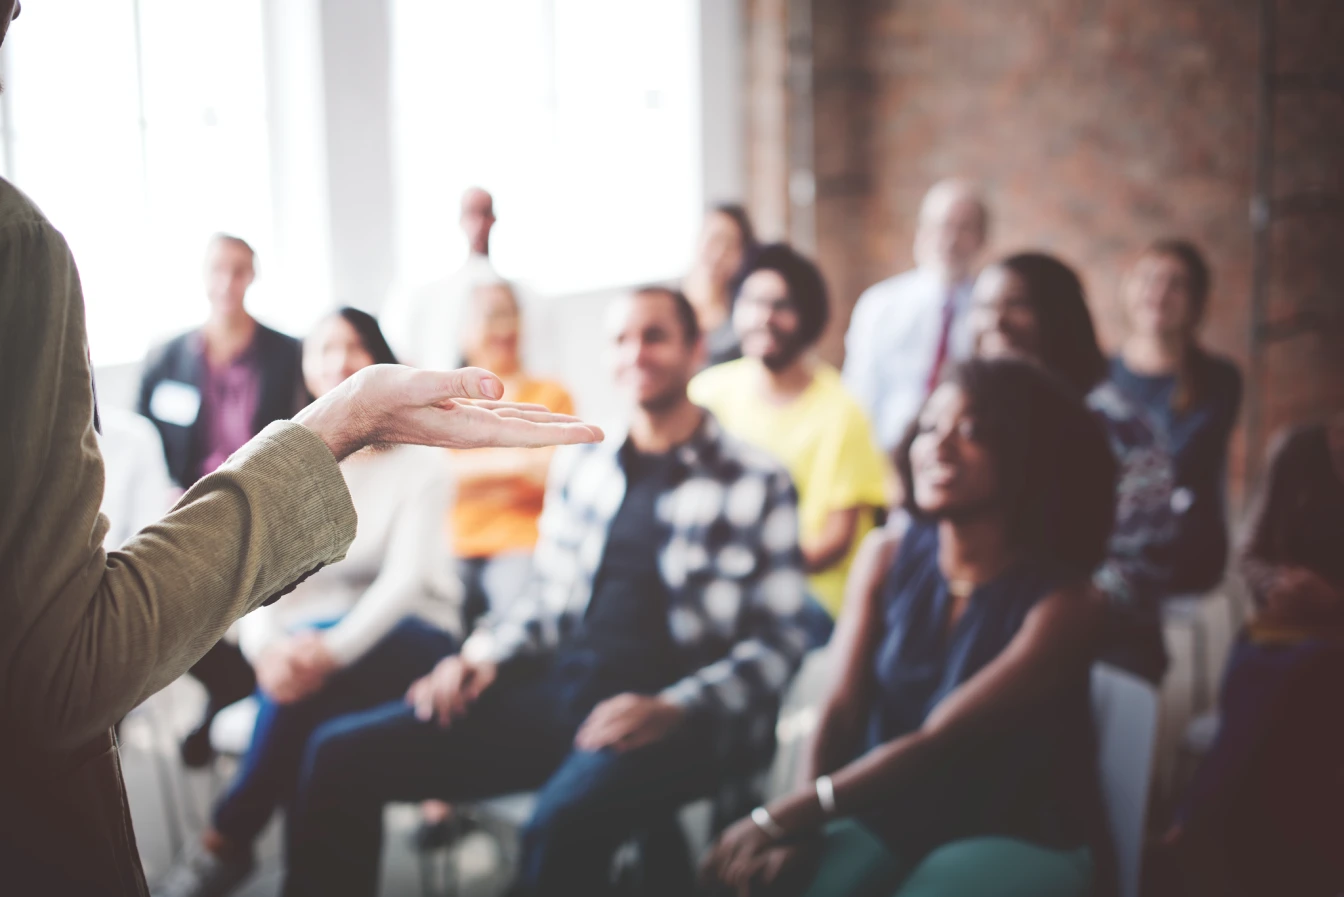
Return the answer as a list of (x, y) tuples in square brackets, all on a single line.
[(1137, 570)]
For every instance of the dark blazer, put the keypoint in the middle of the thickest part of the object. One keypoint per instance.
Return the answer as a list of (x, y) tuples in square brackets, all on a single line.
[(180, 359)]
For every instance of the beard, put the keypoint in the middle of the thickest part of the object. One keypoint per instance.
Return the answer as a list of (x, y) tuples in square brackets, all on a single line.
[(666, 400), (789, 351)]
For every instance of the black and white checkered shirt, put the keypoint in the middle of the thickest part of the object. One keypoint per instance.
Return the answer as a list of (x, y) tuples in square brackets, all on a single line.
[(730, 560)]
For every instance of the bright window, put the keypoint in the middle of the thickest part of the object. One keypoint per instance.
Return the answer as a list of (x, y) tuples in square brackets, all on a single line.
[(138, 147), (580, 116), (140, 128)]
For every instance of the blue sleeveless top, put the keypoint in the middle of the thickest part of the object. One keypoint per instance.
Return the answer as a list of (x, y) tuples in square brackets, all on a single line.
[(1035, 778)]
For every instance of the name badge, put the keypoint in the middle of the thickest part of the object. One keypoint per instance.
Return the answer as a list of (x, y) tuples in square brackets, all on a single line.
[(175, 402)]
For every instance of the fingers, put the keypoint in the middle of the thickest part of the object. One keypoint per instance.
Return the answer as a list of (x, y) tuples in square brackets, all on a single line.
[(597, 730), (482, 677), (473, 427), (448, 693), (413, 693), (465, 383), (491, 405), (537, 416), (421, 698)]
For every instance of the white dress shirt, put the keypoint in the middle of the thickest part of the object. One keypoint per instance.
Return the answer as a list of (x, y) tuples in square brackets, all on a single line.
[(892, 344)]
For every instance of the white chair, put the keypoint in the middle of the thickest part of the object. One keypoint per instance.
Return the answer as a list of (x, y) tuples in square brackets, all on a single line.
[(231, 730), (1124, 711)]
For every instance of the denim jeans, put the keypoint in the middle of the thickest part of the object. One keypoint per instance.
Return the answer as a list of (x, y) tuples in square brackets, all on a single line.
[(491, 584), (518, 737), (270, 767)]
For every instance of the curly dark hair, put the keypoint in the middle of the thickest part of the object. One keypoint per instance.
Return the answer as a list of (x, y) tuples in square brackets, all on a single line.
[(806, 287), (1054, 467)]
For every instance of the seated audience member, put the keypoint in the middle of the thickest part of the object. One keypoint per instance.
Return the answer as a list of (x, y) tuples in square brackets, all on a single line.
[(957, 734), (727, 243), (651, 650), (1190, 395), (907, 328), (785, 400), (1031, 306), (350, 636), (1265, 813), (209, 391), (499, 491), (136, 487)]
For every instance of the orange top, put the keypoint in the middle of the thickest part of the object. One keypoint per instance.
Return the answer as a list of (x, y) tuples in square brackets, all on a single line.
[(496, 510)]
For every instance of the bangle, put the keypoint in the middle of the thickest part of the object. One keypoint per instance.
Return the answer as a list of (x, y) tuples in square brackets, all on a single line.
[(826, 795), (766, 823)]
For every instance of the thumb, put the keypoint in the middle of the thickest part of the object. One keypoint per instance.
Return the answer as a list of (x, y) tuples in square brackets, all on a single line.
[(464, 383)]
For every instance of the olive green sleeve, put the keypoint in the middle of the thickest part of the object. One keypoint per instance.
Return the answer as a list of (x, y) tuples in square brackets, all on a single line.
[(86, 635)]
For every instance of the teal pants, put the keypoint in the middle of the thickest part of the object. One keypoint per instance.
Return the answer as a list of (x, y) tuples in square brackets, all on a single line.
[(856, 863)]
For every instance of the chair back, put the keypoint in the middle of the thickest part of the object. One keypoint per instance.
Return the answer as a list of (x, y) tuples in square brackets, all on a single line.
[(1124, 712)]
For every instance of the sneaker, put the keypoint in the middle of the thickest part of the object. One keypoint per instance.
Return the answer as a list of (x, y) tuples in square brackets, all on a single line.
[(429, 836), (204, 874), (197, 751)]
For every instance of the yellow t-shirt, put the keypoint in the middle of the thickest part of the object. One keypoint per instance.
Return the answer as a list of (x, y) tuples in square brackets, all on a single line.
[(506, 520), (822, 437)]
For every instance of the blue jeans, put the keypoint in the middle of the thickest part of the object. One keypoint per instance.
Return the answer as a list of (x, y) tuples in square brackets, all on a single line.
[(270, 767), (518, 737)]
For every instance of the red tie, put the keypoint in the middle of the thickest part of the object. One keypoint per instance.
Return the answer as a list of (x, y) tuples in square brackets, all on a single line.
[(940, 357)]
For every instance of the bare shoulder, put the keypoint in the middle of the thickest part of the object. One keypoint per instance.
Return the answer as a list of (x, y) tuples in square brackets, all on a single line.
[(1075, 608), (878, 550)]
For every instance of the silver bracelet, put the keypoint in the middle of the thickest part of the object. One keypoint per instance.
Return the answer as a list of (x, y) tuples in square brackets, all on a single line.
[(766, 823), (826, 795)]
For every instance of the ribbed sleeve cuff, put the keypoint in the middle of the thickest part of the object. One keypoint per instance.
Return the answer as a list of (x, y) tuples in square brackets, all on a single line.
[(313, 520)]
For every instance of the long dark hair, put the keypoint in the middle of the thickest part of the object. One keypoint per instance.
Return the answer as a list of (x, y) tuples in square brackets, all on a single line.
[(1068, 339), (1190, 382), (370, 334), (742, 221), (1299, 515), (1053, 464)]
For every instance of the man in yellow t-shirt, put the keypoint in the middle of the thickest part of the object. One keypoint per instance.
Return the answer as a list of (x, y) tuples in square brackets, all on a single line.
[(784, 399)]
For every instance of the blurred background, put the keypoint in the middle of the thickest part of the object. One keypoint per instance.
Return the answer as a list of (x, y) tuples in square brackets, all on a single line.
[(337, 136)]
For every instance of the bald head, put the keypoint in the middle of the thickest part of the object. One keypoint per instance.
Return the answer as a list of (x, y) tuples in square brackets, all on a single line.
[(953, 224), (478, 217)]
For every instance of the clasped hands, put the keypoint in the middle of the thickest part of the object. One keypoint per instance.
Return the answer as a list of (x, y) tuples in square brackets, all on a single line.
[(295, 667), (623, 723)]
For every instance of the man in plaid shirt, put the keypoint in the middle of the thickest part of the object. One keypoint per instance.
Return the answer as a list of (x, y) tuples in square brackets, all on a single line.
[(645, 662)]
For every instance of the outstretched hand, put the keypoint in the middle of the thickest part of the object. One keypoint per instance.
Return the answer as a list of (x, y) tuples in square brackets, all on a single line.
[(391, 405)]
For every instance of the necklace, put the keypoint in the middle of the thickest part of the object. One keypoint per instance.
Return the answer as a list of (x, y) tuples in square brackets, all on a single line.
[(960, 588)]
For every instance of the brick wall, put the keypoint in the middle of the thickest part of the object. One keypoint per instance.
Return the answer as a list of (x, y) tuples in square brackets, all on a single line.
[(1095, 126)]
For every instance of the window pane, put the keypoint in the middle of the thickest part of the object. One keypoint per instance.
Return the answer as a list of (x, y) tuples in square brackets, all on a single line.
[(577, 114), (76, 145), (137, 200), (208, 161)]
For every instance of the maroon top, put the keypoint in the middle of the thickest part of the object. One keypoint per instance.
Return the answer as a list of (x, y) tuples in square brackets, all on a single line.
[(230, 395)]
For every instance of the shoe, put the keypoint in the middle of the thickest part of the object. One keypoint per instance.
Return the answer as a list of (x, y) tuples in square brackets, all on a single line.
[(204, 874), (196, 749), (430, 836)]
